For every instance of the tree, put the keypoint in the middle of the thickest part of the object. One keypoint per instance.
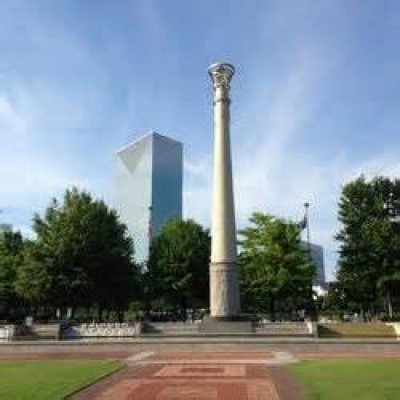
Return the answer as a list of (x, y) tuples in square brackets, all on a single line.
[(178, 264), (11, 248), (82, 255), (389, 286), (274, 265), (369, 241), (333, 303)]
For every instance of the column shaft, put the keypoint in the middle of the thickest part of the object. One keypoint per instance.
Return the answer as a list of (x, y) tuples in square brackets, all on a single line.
[(223, 230)]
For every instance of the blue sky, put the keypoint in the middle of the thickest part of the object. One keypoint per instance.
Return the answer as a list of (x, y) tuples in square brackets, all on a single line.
[(316, 98)]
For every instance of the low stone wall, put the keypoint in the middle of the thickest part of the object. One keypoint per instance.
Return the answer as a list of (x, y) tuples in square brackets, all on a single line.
[(102, 330), (284, 329), (396, 327), (312, 328), (7, 332), (85, 348), (226, 327), (356, 329), (43, 331), (170, 328)]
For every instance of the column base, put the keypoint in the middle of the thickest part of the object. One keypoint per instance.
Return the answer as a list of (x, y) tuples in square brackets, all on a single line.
[(224, 290), (231, 318), (227, 325)]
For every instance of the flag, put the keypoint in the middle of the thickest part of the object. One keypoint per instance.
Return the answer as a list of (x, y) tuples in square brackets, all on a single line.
[(303, 223)]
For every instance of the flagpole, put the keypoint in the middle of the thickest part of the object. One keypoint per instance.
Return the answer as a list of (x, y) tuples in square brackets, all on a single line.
[(146, 263), (306, 206)]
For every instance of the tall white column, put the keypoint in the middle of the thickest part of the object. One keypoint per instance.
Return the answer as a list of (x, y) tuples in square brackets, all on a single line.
[(224, 280)]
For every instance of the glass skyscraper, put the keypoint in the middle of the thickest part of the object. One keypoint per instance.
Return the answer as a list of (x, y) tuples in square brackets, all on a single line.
[(149, 187), (317, 257)]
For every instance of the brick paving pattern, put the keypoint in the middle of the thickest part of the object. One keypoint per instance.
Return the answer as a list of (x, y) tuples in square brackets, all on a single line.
[(193, 376), (179, 382)]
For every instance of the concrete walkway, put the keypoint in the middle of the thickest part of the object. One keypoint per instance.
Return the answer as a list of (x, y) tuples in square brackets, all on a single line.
[(199, 375)]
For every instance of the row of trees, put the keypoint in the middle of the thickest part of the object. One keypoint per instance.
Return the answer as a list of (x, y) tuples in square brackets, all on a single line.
[(81, 257), (276, 272)]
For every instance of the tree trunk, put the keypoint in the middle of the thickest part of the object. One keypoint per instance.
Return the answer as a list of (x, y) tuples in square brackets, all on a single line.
[(272, 308), (373, 310), (184, 307), (100, 313), (120, 315), (389, 305)]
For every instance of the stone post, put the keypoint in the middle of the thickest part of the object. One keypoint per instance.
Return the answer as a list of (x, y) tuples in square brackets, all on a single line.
[(224, 281)]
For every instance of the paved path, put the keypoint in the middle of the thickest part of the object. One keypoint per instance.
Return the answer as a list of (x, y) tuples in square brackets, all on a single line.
[(199, 376)]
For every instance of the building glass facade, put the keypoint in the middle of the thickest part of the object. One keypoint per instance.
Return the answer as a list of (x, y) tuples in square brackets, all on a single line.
[(149, 187)]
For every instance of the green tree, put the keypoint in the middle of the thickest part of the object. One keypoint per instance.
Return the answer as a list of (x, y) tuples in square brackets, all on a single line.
[(389, 287), (275, 268), (369, 241), (11, 249), (333, 303), (178, 264), (82, 255)]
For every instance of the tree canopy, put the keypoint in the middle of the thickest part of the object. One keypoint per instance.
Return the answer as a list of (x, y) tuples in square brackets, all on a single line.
[(275, 267), (82, 255), (178, 264), (369, 257), (11, 249)]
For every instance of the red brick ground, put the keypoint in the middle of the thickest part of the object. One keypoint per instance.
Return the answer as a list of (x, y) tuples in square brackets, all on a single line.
[(188, 376), (165, 382)]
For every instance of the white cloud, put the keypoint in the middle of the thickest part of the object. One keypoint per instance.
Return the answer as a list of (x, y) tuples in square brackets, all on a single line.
[(197, 188), (35, 165), (10, 120)]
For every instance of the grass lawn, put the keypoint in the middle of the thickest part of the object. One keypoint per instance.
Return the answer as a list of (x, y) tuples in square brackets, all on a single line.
[(349, 379), (49, 379)]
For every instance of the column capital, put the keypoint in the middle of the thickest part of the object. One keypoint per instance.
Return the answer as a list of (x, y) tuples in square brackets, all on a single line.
[(221, 75)]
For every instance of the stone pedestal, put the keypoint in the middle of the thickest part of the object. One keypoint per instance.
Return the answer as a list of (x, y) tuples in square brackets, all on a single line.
[(224, 290), (226, 326)]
